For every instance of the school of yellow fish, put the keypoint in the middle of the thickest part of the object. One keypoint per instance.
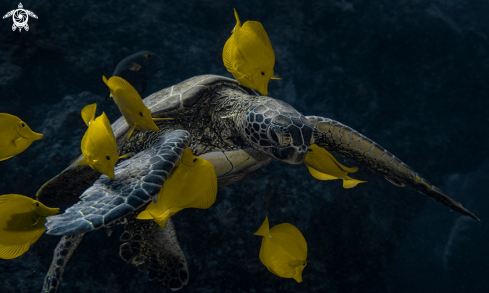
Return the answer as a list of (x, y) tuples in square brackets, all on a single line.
[(249, 56)]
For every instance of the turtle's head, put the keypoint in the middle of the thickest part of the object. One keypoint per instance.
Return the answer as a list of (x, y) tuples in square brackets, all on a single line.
[(277, 129)]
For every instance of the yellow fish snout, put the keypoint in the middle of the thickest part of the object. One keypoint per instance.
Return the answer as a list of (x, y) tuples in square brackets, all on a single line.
[(36, 136)]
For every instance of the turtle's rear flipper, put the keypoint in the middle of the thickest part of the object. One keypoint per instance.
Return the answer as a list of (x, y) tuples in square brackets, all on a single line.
[(138, 180), (160, 255), (62, 254), (334, 136)]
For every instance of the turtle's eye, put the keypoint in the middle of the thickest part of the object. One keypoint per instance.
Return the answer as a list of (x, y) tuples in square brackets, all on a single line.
[(263, 73), (107, 157), (141, 114)]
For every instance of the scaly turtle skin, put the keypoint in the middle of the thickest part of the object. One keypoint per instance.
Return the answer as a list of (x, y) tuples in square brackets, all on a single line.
[(231, 126)]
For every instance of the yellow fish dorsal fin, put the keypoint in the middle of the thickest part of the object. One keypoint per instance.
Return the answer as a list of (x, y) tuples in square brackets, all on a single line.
[(105, 80), (290, 239), (6, 198), (88, 113), (264, 228), (116, 82), (238, 22), (258, 29), (226, 54), (106, 123)]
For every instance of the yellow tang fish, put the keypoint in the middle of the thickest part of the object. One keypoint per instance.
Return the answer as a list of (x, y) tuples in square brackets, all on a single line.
[(192, 184), (15, 136), (249, 56), (323, 166), (135, 112), (98, 145), (283, 250), (22, 222)]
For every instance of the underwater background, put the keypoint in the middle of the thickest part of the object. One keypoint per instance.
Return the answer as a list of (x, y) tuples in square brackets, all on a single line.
[(411, 75)]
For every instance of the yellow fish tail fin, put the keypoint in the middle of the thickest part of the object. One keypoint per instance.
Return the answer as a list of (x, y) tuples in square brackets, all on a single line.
[(161, 219), (88, 113), (144, 215), (264, 228), (105, 80), (274, 77), (238, 22), (12, 251), (350, 183)]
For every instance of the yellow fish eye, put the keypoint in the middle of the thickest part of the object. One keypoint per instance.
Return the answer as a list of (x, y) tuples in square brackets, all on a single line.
[(107, 157), (22, 124), (147, 56), (141, 114), (263, 73)]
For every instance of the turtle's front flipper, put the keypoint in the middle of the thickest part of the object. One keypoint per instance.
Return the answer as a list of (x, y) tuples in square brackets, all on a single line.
[(62, 254), (155, 250), (137, 181), (345, 141)]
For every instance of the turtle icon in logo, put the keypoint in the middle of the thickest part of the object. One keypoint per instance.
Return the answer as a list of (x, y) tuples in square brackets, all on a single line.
[(20, 17)]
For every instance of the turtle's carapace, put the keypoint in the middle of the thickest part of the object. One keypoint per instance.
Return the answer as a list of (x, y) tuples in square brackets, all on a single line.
[(135, 112), (98, 145), (192, 184), (249, 56), (22, 222), (323, 166), (283, 250), (15, 136)]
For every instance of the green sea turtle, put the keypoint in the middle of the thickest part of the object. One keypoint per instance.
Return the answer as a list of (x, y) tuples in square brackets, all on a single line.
[(231, 126)]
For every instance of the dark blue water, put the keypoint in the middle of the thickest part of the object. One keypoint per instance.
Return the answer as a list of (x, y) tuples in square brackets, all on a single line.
[(411, 75)]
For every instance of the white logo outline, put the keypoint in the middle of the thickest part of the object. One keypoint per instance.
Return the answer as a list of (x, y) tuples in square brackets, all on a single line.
[(20, 18)]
